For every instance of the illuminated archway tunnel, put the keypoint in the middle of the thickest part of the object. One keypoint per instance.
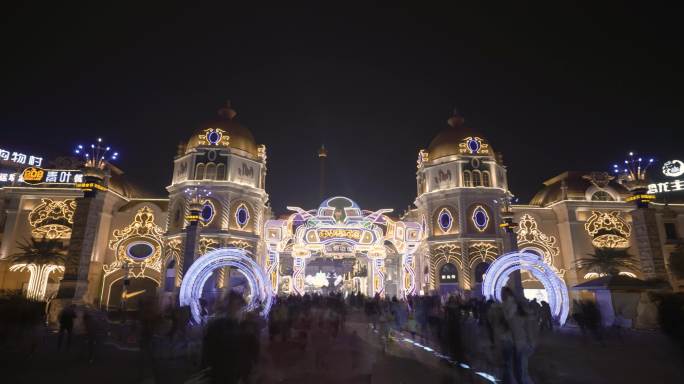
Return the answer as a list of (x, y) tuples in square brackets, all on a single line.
[(200, 271), (497, 276)]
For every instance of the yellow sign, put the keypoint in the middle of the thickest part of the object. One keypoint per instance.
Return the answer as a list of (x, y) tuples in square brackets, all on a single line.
[(90, 186), (33, 175), (339, 233), (640, 197)]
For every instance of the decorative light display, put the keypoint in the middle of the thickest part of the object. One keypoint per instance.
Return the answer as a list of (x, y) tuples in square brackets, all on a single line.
[(498, 272), (52, 219), (242, 216), (37, 285), (529, 235), (673, 168), (96, 155), (608, 230), (261, 293), (595, 275), (214, 136), (634, 168), (480, 218), (447, 253), (474, 146), (207, 212), (206, 245), (141, 232), (445, 220)]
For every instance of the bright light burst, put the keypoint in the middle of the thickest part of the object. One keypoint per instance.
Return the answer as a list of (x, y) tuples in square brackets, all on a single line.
[(96, 155), (634, 167)]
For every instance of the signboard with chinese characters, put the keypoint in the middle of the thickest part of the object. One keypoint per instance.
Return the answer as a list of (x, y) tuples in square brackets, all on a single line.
[(672, 169), (36, 175), (20, 158)]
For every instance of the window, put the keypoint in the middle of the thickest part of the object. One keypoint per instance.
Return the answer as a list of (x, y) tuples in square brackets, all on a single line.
[(477, 178), (199, 171), (220, 172), (467, 179), (602, 196), (448, 274), (486, 179), (211, 171), (671, 231)]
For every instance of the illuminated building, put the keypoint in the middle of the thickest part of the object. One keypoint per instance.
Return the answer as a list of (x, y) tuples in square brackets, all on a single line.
[(217, 207)]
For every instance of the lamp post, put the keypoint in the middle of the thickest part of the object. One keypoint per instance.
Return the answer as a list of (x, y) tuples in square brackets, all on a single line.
[(512, 241)]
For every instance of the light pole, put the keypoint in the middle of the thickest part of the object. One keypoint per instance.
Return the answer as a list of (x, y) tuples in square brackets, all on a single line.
[(512, 239)]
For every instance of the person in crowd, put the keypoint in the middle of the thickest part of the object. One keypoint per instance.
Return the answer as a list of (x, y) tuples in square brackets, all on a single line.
[(66, 324)]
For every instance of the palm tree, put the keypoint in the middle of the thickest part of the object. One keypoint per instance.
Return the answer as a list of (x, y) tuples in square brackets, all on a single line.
[(607, 261), (40, 257)]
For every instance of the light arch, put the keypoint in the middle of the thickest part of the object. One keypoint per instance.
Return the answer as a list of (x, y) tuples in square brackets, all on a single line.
[(200, 271), (498, 272)]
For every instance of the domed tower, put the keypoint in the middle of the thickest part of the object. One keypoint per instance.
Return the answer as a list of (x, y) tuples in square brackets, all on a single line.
[(219, 177), (461, 188)]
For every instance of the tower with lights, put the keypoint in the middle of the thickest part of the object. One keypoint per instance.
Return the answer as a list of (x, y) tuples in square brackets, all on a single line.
[(217, 196)]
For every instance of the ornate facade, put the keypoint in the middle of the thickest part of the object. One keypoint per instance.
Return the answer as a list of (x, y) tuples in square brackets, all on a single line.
[(445, 243)]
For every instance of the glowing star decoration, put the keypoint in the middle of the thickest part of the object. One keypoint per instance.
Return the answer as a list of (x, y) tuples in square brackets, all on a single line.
[(214, 136), (474, 146), (261, 292), (608, 230), (242, 216), (96, 155), (445, 220), (480, 218), (52, 219), (673, 168), (38, 280), (499, 271), (142, 230)]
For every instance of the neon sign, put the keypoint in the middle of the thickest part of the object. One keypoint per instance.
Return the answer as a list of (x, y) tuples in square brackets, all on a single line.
[(36, 175), (339, 233), (673, 168), (20, 158)]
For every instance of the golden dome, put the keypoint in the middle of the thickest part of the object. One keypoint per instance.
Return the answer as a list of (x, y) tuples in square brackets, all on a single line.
[(457, 139), (225, 132)]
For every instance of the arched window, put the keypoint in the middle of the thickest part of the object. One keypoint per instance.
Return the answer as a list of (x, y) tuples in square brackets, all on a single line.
[(211, 171), (448, 274), (477, 178), (480, 270), (602, 196), (199, 171), (467, 179), (486, 180), (220, 172)]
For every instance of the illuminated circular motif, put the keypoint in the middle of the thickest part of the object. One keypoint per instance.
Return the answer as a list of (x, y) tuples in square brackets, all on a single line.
[(242, 215), (207, 212), (473, 145), (194, 280), (673, 168), (140, 250), (214, 137), (498, 273), (445, 220), (480, 218)]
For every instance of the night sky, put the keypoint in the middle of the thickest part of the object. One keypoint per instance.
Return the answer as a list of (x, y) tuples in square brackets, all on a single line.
[(553, 89)]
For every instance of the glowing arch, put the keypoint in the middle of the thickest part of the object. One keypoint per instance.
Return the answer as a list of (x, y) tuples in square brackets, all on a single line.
[(202, 268), (497, 276)]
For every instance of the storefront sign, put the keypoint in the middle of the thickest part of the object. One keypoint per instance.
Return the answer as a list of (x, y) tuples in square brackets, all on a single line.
[(20, 158), (327, 234), (673, 168), (36, 175)]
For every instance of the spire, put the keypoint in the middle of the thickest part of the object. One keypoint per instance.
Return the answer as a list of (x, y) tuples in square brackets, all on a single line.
[(322, 155), (227, 112), (456, 119)]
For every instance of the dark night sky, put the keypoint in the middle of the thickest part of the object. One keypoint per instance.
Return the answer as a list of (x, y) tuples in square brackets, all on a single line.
[(551, 88)]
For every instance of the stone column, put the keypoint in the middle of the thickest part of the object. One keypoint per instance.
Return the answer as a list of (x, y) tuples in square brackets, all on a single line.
[(647, 239)]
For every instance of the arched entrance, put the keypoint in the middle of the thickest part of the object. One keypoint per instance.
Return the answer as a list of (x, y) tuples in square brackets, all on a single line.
[(200, 271), (448, 279), (497, 275)]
